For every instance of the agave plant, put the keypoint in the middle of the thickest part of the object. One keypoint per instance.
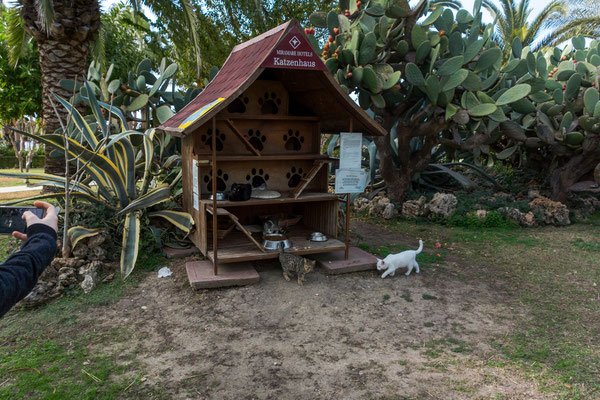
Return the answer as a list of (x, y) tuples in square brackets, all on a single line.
[(114, 173)]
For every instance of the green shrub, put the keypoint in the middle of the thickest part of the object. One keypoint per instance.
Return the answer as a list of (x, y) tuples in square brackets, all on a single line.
[(7, 162), (493, 219)]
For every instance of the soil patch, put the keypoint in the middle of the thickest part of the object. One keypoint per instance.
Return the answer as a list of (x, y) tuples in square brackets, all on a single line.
[(350, 336)]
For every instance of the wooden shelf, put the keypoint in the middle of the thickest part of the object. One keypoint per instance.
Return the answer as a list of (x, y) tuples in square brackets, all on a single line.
[(285, 198), (237, 248), (274, 157), (268, 117)]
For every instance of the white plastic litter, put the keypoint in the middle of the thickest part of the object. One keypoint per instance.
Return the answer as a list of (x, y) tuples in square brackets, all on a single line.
[(164, 272)]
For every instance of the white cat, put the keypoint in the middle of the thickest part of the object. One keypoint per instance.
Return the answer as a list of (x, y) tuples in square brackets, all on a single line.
[(406, 259)]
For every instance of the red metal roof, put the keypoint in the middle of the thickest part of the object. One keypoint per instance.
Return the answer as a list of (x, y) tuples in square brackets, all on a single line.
[(283, 47)]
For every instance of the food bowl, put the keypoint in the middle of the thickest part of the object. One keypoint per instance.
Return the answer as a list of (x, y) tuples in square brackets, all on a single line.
[(220, 196), (275, 241), (317, 237)]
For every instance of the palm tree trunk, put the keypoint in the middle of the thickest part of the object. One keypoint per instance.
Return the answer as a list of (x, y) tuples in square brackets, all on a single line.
[(59, 60)]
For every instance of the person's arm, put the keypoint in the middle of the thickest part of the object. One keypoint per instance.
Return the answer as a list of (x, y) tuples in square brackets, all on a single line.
[(20, 272)]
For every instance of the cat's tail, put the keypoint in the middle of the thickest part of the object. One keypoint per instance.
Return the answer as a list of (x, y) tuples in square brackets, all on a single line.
[(420, 246)]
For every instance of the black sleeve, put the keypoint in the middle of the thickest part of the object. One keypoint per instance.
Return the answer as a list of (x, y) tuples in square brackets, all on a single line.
[(20, 272)]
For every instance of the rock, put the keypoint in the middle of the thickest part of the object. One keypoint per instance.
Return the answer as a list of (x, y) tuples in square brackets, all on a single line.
[(552, 212), (380, 206), (80, 250), (528, 219), (389, 211), (442, 204), (513, 214), (517, 216), (414, 208), (533, 194), (96, 241), (90, 276), (361, 204), (41, 293), (72, 262), (481, 214), (597, 174), (91, 248), (96, 254), (88, 284), (67, 276)]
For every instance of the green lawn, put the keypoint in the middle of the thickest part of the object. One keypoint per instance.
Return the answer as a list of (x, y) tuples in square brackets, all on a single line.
[(6, 181)]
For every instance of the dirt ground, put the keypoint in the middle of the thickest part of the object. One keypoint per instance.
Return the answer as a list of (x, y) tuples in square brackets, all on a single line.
[(352, 336)]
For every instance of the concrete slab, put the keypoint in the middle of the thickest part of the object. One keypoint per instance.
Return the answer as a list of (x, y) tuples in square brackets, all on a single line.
[(334, 263), (179, 253), (200, 274)]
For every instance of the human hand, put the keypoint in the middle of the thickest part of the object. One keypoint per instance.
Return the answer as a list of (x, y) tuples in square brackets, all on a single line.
[(50, 218)]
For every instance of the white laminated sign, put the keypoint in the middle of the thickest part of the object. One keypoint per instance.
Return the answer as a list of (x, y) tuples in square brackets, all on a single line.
[(195, 189), (350, 177)]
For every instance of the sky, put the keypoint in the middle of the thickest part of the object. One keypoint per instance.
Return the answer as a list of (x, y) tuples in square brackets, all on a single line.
[(536, 5)]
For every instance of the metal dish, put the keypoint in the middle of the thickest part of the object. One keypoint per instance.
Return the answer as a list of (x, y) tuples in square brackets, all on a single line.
[(269, 244), (317, 237), (220, 196)]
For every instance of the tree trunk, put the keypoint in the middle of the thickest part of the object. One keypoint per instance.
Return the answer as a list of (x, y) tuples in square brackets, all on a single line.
[(59, 60), (397, 181), (562, 178), (63, 47), (398, 176)]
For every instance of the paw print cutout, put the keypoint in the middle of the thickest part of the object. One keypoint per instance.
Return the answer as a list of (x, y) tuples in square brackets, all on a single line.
[(238, 106), (221, 181), (207, 139), (293, 140), (295, 176), (256, 139), (257, 178), (269, 103)]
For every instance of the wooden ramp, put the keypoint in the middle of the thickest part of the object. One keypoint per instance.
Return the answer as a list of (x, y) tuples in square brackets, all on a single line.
[(200, 275), (333, 263)]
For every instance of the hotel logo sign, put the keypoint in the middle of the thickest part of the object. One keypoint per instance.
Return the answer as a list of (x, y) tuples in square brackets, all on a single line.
[(294, 52)]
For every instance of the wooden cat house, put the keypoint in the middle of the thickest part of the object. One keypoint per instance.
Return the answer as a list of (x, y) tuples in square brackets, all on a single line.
[(260, 121)]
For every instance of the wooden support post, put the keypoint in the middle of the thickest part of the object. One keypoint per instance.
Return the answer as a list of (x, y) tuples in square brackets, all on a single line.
[(214, 194), (348, 211)]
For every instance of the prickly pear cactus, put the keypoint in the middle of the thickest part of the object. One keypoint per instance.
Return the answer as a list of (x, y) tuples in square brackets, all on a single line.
[(562, 107), (422, 80), (149, 88)]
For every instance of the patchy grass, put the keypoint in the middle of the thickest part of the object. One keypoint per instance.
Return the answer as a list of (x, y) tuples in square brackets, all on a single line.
[(48, 352), (4, 197), (426, 258), (553, 278), (583, 245)]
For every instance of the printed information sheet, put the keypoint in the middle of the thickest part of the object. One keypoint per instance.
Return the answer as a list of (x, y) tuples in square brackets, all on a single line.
[(350, 181), (350, 150)]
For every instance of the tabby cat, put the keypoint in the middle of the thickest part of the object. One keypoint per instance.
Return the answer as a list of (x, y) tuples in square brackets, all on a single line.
[(293, 264)]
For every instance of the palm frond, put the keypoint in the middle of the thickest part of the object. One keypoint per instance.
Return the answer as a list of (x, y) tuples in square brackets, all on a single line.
[(191, 20), (98, 49), (16, 37), (588, 27), (45, 10), (555, 7), (453, 4)]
